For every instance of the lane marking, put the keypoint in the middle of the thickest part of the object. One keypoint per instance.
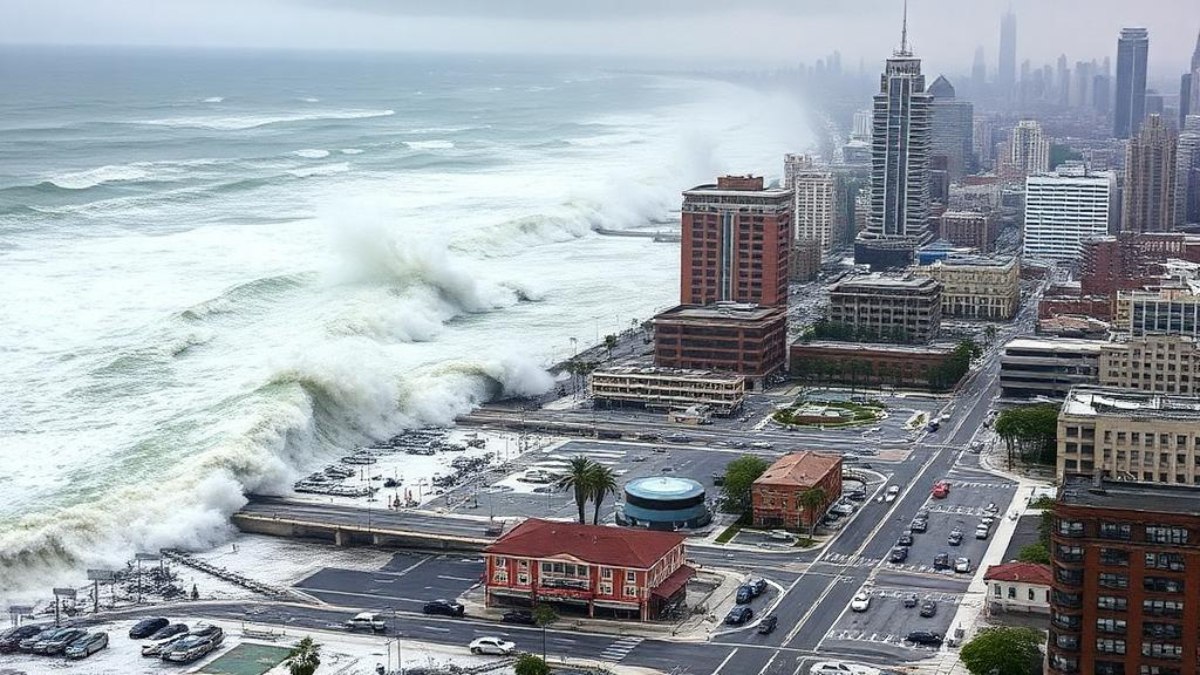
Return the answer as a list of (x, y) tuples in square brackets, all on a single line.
[(730, 656)]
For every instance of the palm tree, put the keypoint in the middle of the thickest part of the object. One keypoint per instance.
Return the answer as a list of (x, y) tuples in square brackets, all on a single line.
[(812, 500), (579, 478), (603, 482), (304, 658)]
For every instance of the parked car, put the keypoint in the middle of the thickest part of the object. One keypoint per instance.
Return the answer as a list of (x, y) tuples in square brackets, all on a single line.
[(147, 627), (941, 561), (924, 637), (156, 649), (857, 495), (982, 532), (739, 615), (56, 643), (11, 638), (28, 643), (860, 603), (367, 621), (781, 535), (163, 638), (194, 645), (744, 595), (521, 616), (757, 586), (906, 539), (962, 565), (87, 645), (768, 624), (761, 445), (898, 555), (892, 492), (910, 600), (679, 438), (841, 668), (919, 525), (169, 630), (941, 490), (928, 608), (444, 607), (955, 538), (492, 645), (843, 508)]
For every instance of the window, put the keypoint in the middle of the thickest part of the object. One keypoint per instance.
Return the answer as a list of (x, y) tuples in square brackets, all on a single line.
[(1110, 668), (1121, 531), (1070, 528), (1111, 626), (605, 588), (1066, 621), (1173, 608), (1162, 584), (1165, 561), (630, 577), (499, 561), (1107, 646), (1114, 556), (1064, 664), (1012, 592), (1032, 595), (605, 572), (1157, 670), (1113, 580), (999, 593), (1162, 650), (522, 579), (500, 576), (1112, 602), (1067, 642), (631, 591), (1162, 534), (1071, 554), (1154, 629)]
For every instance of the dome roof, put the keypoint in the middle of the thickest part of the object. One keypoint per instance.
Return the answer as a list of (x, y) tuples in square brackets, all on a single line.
[(664, 487), (941, 88)]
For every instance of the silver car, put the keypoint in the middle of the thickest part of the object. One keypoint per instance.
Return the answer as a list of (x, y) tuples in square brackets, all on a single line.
[(87, 645)]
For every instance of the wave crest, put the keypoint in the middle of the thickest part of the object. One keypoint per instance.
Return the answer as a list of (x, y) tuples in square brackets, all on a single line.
[(239, 123)]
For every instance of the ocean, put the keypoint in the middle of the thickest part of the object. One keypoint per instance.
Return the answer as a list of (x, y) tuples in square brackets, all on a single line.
[(222, 269)]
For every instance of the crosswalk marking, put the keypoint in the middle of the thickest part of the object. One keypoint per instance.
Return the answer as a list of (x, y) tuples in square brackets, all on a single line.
[(849, 561), (617, 650), (862, 636)]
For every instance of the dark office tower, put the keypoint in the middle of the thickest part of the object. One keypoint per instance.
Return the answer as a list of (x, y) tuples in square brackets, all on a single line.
[(1148, 204), (1185, 98), (1130, 108), (978, 75), (1194, 104), (1006, 80), (900, 137), (1102, 94), (952, 128), (1062, 82)]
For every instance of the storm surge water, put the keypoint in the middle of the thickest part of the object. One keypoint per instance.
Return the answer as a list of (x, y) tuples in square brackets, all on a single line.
[(217, 282)]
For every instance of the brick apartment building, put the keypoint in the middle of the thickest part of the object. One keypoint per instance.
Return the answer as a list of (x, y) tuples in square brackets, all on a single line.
[(736, 240), (907, 305), (745, 339), (775, 496), (974, 229), (1126, 262), (612, 571), (1125, 597)]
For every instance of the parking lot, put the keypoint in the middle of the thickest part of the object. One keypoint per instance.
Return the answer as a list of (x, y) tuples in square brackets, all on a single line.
[(887, 621), (404, 584)]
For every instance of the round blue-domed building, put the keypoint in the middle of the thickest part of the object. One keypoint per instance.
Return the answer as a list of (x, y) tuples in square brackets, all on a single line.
[(663, 503)]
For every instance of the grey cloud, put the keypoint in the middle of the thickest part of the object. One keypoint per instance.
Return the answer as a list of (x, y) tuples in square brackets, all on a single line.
[(571, 10)]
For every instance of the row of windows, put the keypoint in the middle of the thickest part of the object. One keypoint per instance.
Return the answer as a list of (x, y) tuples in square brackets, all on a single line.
[(1157, 534)]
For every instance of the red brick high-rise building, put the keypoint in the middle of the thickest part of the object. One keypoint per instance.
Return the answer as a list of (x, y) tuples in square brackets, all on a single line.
[(736, 240)]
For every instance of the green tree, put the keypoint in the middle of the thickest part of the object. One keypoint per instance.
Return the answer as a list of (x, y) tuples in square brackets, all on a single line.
[(740, 474), (544, 615), (1029, 432), (812, 500), (1004, 651), (579, 479), (1034, 553), (610, 343), (531, 664), (603, 482), (304, 659)]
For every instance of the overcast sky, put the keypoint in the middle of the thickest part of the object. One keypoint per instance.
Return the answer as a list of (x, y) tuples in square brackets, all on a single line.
[(943, 32)]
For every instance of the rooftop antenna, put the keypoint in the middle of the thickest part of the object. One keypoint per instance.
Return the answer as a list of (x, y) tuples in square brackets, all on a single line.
[(904, 34)]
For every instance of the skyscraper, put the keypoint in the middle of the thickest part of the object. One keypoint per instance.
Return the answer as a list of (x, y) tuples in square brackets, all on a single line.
[(1026, 153), (1149, 199), (1062, 209), (1081, 86), (899, 164), (736, 236), (813, 187), (978, 75), (1132, 49), (1006, 79), (951, 134), (982, 141), (1187, 173), (1194, 106), (1062, 82), (1185, 98)]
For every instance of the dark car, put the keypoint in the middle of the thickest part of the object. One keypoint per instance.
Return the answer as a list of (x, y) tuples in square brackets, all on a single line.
[(910, 600), (767, 625), (444, 607), (928, 608), (147, 627), (744, 595), (857, 495), (168, 631), (718, 479), (521, 616), (906, 539), (955, 538), (27, 644), (55, 644), (739, 615), (757, 586), (898, 555), (11, 638), (924, 637), (919, 525), (941, 561)]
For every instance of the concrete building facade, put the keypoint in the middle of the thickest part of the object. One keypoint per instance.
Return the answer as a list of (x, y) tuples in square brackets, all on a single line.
[(1019, 587), (666, 388), (907, 306), (867, 363), (977, 287), (1048, 368), (952, 121), (1167, 364), (1026, 153), (1065, 208), (815, 201), (1169, 311), (1148, 201), (974, 229)]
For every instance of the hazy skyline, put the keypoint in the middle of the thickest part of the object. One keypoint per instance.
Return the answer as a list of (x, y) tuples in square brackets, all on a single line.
[(943, 32)]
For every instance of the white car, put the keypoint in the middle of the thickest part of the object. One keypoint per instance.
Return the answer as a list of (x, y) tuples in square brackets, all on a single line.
[(892, 492), (492, 645), (367, 621), (860, 603), (841, 668)]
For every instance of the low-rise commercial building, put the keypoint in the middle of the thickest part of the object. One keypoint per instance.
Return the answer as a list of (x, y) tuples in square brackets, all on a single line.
[(1168, 364), (1048, 367), (861, 363), (667, 388), (1019, 587), (1124, 434), (1124, 597), (776, 496), (1169, 311), (747, 339), (906, 308), (663, 503), (973, 229), (592, 569), (978, 287)]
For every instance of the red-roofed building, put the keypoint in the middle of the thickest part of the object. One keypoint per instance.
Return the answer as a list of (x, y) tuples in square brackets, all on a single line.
[(1019, 587), (775, 496), (622, 572)]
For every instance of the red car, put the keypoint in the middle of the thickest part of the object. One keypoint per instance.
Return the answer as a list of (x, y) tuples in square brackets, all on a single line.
[(941, 489)]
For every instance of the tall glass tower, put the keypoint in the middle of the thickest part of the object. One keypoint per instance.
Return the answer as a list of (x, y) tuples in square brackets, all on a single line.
[(1130, 109)]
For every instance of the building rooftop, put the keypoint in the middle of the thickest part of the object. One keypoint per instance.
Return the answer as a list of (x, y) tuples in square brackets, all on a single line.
[(595, 544), (682, 373), (1092, 400), (885, 280), (799, 469), (958, 260), (1020, 572), (1080, 490), (735, 311), (738, 186), (940, 348), (1073, 345)]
